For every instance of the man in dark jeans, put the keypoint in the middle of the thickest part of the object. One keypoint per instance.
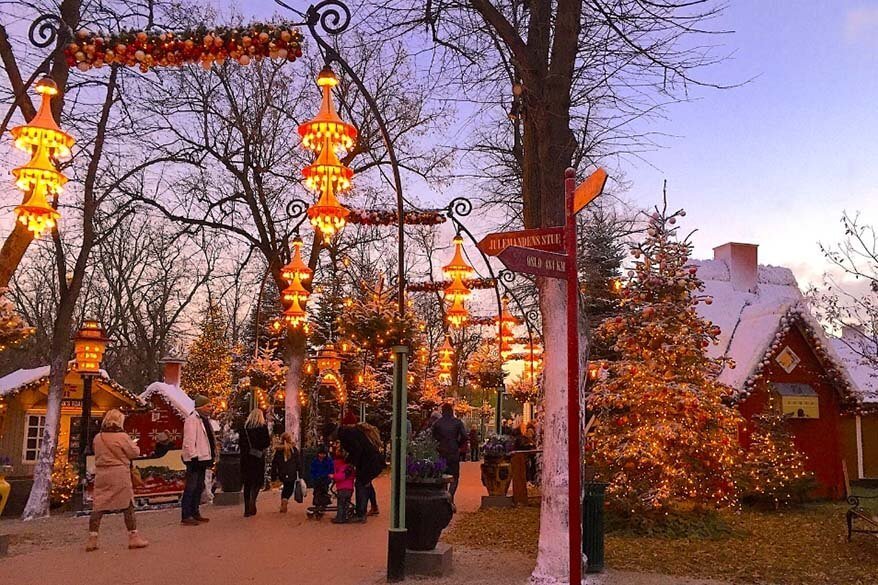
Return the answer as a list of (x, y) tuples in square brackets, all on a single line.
[(199, 451), (450, 434)]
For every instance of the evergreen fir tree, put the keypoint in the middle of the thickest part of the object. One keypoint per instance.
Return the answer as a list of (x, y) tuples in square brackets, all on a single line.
[(774, 469), (208, 369), (601, 251), (666, 433)]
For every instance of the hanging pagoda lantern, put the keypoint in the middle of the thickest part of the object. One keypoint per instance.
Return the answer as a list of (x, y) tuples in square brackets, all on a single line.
[(458, 267), (295, 291), (297, 266), (326, 134), (533, 360), (446, 360), (40, 179), (327, 125), (457, 291), (505, 336), (295, 315)]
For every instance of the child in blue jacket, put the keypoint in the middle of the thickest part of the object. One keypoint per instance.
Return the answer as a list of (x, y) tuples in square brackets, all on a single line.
[(321, 470)]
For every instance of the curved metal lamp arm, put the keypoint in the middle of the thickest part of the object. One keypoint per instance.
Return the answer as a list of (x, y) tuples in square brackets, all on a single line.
[(43, 31)]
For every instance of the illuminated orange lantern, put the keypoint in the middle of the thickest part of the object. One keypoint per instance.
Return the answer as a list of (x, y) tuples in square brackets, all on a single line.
[(89, 345), (296, 266), (40, 179)]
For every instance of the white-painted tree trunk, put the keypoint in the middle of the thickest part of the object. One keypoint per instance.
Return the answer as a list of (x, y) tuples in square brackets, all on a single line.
[(38, 502), (293, 381), (553, 565)]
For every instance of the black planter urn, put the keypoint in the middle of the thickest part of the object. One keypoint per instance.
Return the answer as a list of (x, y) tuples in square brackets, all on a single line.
[(228, 472), (427, 511)]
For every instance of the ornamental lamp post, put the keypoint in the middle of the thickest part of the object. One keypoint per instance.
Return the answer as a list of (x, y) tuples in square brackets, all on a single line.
[(89, 346)]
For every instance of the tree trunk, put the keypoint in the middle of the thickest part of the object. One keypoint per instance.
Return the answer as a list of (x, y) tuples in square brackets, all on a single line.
[(294, 357), (553, 557), (38, 501)]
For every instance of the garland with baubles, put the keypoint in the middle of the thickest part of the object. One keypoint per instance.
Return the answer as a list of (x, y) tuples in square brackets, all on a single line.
[(148, 49), (383, 217), (436, 286)]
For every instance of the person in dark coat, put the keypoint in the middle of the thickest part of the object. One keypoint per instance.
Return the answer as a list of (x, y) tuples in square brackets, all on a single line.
[(474, 443), (254, 440), (163, 444), (285, 467), (366, 458), (450, 434)]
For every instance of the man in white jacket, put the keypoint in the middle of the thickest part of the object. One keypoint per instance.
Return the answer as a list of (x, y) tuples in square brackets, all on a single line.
[(199, 451)]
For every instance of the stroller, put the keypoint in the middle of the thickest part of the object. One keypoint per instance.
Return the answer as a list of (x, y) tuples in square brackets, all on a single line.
[(324, 496)]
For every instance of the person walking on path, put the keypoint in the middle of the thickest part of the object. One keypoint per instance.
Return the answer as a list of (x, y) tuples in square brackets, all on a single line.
[(113, 490), (450, 434), (344, 477), (285, 468), (474, 443), (199, 452), (254, 440), (363, 447)]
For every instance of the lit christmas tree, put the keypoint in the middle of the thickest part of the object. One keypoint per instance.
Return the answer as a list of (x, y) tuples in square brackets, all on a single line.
[(666, 433), (774, 469), (13, 329), (208, 369)]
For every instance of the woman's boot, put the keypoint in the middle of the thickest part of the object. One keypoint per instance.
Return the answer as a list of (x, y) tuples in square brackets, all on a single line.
[(136, 541), (92, 542), (283, 506)]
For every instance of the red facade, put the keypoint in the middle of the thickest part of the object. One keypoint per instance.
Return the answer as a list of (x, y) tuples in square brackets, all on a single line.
[(819, 438), (158, 416)]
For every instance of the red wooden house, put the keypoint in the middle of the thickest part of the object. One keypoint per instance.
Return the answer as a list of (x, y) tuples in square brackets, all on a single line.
[(781, 351), (167, 407)]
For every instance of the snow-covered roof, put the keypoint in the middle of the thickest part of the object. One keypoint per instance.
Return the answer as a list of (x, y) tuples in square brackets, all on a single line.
[(173, 395), (16, 381), (753, 324), (748, 321), (861, 370), (12, 383)]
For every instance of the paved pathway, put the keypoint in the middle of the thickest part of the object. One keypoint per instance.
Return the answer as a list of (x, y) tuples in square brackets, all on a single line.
[(269, 548)]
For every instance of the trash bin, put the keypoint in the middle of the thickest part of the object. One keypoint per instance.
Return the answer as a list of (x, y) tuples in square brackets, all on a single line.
[(593, 526)]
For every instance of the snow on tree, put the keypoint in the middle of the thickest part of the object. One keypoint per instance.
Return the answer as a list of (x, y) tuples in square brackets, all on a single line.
[(774, 469), (209, 363), (666, 433)]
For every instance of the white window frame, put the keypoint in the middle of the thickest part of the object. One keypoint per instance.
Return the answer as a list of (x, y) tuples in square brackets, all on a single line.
[(41, 427)]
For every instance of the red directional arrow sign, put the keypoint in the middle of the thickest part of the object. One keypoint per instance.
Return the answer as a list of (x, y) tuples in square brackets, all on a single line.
[(534, 262), (550, 239)]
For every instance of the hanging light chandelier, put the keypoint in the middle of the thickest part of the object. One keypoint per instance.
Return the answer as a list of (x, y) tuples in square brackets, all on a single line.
[(326, 134), (297, 266), (457, 291), (505, 336), (446, 360), (40, 179), (533, 360)]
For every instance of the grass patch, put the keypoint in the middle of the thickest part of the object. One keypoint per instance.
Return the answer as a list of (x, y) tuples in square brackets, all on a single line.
[(800, 546)]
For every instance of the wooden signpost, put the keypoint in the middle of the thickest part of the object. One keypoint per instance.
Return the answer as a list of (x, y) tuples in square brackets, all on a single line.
[(536, 251)]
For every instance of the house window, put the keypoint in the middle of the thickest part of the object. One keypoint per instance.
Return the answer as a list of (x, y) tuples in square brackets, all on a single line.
[(34, 424)]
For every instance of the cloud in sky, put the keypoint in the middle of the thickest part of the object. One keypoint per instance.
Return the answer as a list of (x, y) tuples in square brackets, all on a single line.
[(861, 24)]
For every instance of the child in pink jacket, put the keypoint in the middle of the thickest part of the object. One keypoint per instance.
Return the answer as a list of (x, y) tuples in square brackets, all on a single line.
[(344, 487)]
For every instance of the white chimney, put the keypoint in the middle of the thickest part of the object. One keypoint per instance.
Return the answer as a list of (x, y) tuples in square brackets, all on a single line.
[(742, 260), (173, 369)]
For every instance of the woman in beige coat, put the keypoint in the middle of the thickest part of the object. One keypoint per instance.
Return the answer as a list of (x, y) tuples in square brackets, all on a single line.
[(113, 491)]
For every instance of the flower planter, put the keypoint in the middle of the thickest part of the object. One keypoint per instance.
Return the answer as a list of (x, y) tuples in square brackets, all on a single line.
[(228, 472), (427, 511), (496, 475), (5, 488)]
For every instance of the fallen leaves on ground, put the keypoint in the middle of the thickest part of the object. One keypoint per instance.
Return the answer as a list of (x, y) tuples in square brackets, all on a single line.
[(800, 546)]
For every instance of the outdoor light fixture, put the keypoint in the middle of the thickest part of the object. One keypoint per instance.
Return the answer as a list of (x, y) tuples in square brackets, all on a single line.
[(40, 179), (297, 266), (457, 291), (328, 359), (295, 315), (89, 346), (446, 360), (505, 335), (458, 267), (326, 135)]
